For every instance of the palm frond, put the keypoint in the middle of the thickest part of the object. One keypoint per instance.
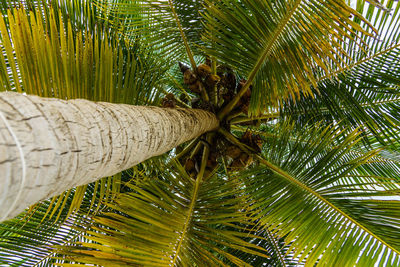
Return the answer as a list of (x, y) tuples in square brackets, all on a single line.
[(329, 202), (171, 220), (364, 91), (276, 247), (70, 63), (385, 162), (30, 236), (278, 45), (387, 22), (366, 97), (30, 242), (159, 24)]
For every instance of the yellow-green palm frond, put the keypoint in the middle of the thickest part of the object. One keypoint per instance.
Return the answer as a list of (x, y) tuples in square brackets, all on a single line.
[(30, 238), (172, 220), (48, 55)]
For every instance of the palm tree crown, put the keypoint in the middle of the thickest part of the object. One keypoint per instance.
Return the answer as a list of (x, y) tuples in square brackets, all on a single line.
[(303, 170)]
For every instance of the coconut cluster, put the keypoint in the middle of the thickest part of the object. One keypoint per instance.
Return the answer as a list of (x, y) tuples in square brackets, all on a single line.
[(212, 93)]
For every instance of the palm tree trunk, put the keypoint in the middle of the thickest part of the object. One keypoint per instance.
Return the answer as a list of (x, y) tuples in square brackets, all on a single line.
[(50, 145)]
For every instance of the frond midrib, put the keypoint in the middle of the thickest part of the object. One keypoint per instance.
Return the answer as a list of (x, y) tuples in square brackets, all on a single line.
[(51, 254), (363, 105), (185, 42), (278, 252), (323, 109), (265, 53), (188, 219), (355, 151), (357, 63)]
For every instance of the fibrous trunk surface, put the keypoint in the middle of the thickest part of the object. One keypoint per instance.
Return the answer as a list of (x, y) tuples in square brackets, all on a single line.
[(49, 145)]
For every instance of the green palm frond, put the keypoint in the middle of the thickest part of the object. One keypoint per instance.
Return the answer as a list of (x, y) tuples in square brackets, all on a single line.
[(366, 97), (82, 14), (30, 237), (278, 45), (385, 18), (365, 92), (328, 201), (30, 242), (162, 25), (386, 161), (387, 24), (171, 220)]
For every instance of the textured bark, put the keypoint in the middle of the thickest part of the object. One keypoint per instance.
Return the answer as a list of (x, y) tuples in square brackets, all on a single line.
[(49, 145)]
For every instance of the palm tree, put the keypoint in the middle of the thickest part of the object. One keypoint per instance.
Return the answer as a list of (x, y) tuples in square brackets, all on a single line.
[(302, 170)]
